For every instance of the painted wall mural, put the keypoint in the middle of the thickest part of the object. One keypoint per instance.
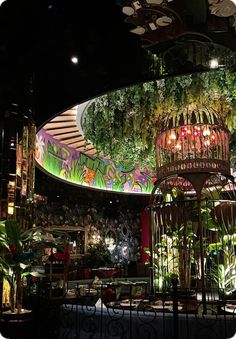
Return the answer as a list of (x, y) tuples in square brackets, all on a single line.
[(81, 169)]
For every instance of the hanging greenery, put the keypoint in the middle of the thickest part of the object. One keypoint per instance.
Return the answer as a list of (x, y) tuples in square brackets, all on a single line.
[(123, 124)]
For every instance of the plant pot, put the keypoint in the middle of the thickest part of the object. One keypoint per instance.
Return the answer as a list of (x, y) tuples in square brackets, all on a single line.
[(17, 326)]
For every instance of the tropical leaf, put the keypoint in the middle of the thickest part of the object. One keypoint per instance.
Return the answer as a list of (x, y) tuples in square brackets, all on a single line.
[(13, 234), (17, 261), (5, 267), (23, 266)]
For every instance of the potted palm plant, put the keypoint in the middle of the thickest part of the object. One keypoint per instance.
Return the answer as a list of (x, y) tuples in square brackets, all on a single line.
[(20, 250)]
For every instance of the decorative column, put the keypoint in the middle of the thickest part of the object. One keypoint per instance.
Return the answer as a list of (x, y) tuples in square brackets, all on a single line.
[(17, 135)]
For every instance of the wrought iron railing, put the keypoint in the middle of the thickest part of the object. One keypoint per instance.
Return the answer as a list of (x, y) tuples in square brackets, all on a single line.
[(99, 314)]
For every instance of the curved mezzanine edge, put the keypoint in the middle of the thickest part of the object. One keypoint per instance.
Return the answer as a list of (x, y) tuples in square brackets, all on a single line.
[(78, 168)]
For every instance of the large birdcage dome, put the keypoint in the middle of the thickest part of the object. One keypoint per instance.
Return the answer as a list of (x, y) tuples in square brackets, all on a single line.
[(195, 140)]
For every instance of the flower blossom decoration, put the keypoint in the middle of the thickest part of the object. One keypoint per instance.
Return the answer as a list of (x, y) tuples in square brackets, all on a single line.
[(223, 8), (39, 147)]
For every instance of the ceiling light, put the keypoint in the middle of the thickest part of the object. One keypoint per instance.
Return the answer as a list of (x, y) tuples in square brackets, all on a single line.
[(128, 10), (74, 60), (234, 2), (2, 1), (214, 63), (138, 30)]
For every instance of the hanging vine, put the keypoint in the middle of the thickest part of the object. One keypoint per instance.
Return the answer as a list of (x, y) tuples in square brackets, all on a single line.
[(123, 124)]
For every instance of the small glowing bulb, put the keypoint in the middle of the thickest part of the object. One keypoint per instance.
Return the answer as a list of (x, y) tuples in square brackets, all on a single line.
[(207, 143), (178, 147), (206, 132), (74, 60), (214, 63), (172, 136)]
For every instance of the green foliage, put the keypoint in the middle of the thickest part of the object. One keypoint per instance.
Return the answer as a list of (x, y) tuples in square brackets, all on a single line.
[(52, 160), (19, 251), (97, 256), (76, 174), (148, 187), (99, 180), (224, 275), (123, 124)]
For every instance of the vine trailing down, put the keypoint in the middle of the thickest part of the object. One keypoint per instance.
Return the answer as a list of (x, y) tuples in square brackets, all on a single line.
[(123, 124)]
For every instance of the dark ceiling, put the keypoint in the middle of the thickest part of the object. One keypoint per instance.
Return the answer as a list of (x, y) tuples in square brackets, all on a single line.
[(38, 38)]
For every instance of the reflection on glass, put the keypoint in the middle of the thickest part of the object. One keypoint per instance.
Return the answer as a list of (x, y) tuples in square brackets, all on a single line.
[(110, 240), (125, 250)]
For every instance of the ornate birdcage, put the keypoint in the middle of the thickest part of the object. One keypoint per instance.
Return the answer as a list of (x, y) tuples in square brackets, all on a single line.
[(193, 141), (193, 202)]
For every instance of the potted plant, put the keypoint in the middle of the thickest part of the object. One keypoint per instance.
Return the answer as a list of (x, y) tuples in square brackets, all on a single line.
[(19, 251), (97, 256)]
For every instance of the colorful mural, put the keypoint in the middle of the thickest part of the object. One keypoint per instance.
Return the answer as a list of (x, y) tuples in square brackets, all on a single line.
[(81, 169)]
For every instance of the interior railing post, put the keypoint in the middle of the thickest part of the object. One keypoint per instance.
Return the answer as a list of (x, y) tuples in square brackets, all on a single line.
[(174, 282)]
